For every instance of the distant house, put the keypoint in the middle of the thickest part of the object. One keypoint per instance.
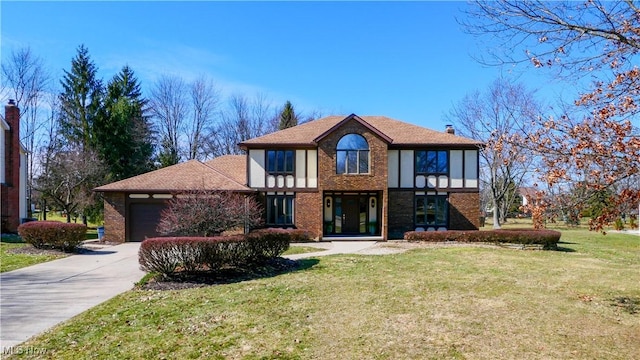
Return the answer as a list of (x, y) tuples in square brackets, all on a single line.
[(13, 170), (339, 177), (528, 195)]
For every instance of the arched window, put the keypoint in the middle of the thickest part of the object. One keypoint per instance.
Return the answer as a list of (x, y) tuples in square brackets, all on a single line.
[(352, 155)]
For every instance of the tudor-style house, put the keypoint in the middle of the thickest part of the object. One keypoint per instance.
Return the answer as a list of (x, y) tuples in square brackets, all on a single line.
[(352, 177), (368, 176)]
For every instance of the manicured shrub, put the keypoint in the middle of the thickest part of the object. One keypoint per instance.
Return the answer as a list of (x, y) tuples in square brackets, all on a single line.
[(53, 234), (547, 238), (174, 254), (268, 243), (300, 236)]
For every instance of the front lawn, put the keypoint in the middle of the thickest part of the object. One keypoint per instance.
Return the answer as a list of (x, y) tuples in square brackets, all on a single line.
[(431, 303), (10, 260)]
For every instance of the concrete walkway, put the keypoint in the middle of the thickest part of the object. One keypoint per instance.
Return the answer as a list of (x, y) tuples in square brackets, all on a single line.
[(38, 297), (332, 248)]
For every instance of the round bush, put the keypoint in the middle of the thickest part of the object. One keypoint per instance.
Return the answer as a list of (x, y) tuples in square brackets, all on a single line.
[(53, 234)]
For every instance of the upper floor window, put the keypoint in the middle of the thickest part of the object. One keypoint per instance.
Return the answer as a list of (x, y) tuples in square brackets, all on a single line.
[(432, 162), (352, 155), (280, 161)]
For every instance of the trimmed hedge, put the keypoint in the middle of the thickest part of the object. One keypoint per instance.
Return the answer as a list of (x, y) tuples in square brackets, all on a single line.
[(190, 254), (547, 238), (53, 234)]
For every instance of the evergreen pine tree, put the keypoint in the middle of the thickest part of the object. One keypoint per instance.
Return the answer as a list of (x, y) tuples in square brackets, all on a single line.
[(124, 136), (288, 117), (81, 101)]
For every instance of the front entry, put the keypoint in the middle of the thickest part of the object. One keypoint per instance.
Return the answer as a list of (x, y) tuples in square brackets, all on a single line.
[(351, 214), (353, 211)]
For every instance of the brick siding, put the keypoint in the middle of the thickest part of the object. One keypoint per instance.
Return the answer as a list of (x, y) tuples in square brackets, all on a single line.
[(11, 189), (400, 213), (464, 211), (306, 214), (376, 180), (114, 216)]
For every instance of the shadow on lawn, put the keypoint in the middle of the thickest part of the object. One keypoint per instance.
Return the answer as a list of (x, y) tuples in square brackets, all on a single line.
[(186, 280), (564, 249)]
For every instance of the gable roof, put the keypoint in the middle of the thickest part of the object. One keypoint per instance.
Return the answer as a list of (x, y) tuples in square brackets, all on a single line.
[(358, 119), (394, 131), (190, 175), (233, 166)]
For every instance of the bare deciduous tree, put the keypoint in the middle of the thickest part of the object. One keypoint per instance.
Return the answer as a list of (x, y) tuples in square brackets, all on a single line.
[(496, 117), (597, 143), (26, 80), (209, 213), (205, 98), (69, 180), (169, 107), (243, 119)]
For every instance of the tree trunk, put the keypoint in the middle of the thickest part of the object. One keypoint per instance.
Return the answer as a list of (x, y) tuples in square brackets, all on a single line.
[(496, 215)]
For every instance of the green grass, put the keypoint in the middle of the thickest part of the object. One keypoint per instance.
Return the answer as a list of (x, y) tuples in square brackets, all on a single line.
[(9, 261), (301, 250), (432, 303), (55, 216)]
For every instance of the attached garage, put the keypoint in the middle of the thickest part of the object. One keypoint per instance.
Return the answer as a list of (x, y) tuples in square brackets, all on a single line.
[(144, 217), (132, 207)]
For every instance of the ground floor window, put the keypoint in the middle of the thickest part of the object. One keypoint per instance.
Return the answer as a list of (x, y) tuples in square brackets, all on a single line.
[(431, 210), (280, 209)]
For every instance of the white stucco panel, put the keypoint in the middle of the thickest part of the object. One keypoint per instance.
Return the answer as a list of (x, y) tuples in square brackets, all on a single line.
[(256, 168), (301, 168), (393, 164), (312, 168), (406, 168), (471, 168), (455, 168)]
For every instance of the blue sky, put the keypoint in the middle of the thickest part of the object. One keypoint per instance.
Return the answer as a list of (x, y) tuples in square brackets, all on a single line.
[(406, 60)]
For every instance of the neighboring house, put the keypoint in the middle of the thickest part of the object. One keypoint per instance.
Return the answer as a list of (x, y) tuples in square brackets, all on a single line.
[(528, 194), (367, 177), (13, 170)]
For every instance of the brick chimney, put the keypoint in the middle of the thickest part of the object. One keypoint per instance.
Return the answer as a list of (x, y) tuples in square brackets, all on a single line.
[(10, 191), (450, 130)]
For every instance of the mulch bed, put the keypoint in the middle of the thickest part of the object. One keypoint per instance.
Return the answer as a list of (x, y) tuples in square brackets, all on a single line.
[(184, 280)]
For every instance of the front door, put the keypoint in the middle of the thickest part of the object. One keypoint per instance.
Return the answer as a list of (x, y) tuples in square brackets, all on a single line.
[(351, 215)]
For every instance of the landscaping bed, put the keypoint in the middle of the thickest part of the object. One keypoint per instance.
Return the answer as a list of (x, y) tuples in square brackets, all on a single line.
[(520, 238)]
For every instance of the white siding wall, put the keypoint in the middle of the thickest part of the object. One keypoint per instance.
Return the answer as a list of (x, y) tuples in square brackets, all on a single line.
[(455, 168), (471, 168), (256, 168), (393, 166), (406, 168), (312, 168), (301, 175)]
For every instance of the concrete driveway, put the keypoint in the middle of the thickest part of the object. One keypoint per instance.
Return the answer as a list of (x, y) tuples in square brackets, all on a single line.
[(36, 298)]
